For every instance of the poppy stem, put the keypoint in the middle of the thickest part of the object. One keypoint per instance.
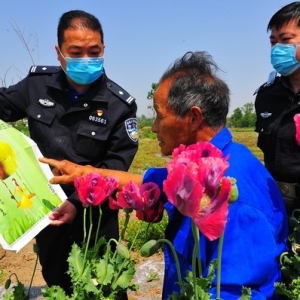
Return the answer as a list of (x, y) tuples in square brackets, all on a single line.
[(89, 236), (220, 246), (196, 258), (126, 221), (175, 258), (84, 224), (98, 227)]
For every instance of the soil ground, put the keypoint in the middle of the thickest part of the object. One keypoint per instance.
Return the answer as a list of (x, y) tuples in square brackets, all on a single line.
[(23, 262)]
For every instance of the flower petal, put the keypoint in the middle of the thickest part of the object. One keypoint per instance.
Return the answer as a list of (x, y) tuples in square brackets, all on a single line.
[(183, 191), (211, 221), (297, 124)]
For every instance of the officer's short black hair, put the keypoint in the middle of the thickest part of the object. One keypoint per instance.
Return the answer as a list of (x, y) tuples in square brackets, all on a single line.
[(86, 21), (284, 15)]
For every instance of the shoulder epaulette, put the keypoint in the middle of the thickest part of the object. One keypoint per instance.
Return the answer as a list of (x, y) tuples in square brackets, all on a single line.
[(44, 69), (271, 80), (120, 92)]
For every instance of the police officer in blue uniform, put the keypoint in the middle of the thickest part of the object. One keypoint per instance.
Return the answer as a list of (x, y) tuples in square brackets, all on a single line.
[(75, 112), (277, 102)]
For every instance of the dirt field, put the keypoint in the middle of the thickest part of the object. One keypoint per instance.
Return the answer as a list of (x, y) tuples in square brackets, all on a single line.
[(22, 263)]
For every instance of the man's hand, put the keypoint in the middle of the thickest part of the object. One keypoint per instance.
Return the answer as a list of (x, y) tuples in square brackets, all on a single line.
[(64, 171), (65, 213)]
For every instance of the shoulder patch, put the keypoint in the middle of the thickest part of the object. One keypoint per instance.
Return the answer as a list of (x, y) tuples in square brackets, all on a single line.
[(120, 93), (44, 70), (131, 126)]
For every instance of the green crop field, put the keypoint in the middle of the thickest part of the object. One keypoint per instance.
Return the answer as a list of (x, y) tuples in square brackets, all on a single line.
[(149, 154)]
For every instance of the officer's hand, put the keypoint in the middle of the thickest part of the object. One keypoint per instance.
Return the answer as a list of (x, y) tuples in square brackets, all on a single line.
[(65, 213), (64, 171)]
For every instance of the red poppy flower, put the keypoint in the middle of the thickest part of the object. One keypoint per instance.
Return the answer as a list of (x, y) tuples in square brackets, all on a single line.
[(138, 198), (193, 186), (153, 214), (297, 124), (93, 189)]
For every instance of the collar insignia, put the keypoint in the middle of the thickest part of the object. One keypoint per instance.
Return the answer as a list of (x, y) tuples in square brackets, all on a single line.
[(46, 103), (266, 115)]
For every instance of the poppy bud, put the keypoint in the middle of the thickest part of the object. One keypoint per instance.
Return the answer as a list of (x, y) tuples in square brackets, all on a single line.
[(234, 190), (128, 210), (7, 283), (293, 222), (149, 248), (123, 251), (36, 249)]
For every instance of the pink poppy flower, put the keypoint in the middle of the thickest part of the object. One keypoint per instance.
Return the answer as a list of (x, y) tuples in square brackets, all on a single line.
[(193, 186), (297, 124), (93, 189), (211, 218), (138, 198)]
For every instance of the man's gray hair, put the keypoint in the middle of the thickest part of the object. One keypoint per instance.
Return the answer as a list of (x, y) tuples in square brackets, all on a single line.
[(194, 83)]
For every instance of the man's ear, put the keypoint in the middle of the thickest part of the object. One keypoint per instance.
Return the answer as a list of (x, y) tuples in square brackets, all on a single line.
[(196, 117), (57, 52)]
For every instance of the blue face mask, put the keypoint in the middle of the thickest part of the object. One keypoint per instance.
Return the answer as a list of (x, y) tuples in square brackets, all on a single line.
[(84, 70), (283, 58)]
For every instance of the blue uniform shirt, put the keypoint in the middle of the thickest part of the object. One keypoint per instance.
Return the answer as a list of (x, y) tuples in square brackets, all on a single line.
[(255, 234)]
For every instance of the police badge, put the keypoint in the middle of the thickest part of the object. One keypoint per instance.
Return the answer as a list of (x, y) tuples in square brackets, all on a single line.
[(132, 128)]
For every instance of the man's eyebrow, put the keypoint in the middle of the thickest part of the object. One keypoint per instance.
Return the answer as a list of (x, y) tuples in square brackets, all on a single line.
[(80, 47), (283, 33)]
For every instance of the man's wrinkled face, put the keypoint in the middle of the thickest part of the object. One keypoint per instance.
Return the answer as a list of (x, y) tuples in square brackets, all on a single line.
[(171, 130)]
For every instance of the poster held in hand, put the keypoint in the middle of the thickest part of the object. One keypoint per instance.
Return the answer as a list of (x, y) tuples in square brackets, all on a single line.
[(26, 196)]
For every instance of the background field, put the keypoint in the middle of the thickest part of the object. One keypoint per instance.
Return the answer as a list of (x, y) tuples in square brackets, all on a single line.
[(149, 155)]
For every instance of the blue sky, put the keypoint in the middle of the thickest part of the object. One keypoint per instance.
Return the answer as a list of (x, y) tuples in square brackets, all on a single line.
[(143, 38)]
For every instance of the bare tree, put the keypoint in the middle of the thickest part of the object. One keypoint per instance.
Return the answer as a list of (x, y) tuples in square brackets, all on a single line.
[(30, 42)]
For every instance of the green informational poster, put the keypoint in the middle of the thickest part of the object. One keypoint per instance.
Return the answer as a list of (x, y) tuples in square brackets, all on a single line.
[(26, 196)]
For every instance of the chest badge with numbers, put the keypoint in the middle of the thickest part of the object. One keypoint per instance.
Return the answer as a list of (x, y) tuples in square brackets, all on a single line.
[(98, 117), (132, 128)]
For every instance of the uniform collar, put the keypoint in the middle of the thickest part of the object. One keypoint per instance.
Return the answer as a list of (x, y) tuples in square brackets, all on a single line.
[(96, 92)]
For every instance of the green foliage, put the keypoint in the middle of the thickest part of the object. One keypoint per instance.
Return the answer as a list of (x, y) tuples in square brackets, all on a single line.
[(22, 126), (148, 231), (146, 133), (16, 292), (246, 294), (2, 273), (187, 290), (98, 272), (243, 117), (290, 262), (150, 95)]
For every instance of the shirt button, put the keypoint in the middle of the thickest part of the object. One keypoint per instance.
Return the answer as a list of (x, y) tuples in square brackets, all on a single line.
[(85, 105), (93, 133), (38, 116), (262, 130)]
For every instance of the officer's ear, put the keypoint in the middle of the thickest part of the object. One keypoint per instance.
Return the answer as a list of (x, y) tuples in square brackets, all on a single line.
[(58, 53)]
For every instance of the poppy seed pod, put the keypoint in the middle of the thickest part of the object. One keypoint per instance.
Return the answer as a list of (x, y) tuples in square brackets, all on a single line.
[(149, 248)]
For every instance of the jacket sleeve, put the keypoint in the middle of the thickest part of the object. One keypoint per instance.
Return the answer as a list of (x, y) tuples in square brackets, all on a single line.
[(13, 102)]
